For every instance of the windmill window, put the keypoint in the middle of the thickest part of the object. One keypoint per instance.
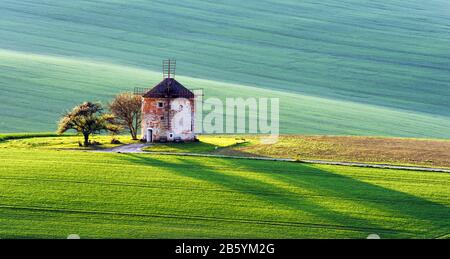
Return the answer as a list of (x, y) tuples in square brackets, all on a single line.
[(162, 117), (160, 104)]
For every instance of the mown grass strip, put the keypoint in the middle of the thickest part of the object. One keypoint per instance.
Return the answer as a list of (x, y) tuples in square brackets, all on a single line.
[(11, 136)]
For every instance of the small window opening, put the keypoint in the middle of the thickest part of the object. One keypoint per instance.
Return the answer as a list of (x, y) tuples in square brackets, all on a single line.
[(160, 104)]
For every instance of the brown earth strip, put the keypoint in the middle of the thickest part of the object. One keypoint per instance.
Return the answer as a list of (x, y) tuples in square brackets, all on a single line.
[(399, 151)]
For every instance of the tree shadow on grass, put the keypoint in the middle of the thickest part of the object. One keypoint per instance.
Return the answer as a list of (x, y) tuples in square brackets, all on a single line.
[(201, 148), (182, 147), (230, 174), (427, 218)]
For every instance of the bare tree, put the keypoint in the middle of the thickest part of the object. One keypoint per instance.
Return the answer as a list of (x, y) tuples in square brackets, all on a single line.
[(86, 119), (126, 107)]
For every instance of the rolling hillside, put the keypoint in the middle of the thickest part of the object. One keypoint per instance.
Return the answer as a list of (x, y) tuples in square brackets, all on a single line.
[(41, 87), (338, 67)]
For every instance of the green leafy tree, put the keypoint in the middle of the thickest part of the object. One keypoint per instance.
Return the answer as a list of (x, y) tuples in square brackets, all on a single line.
[(87, 119)]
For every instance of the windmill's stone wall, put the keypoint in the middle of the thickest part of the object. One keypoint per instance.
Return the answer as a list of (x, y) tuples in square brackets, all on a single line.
[(175, 119)]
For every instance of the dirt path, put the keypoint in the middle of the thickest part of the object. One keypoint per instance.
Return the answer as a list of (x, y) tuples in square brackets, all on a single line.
[(137, 148), (130, 148)]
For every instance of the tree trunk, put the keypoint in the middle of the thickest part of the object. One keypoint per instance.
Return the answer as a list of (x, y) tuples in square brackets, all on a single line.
[(135, 127), (133, 134), (86, 139), (138, 115)]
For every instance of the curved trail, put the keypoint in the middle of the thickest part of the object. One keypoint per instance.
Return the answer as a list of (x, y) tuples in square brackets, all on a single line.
[(130, 148)]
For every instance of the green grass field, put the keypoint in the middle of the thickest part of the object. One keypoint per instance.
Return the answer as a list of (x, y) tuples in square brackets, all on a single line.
[(338, 67), (51, 194)]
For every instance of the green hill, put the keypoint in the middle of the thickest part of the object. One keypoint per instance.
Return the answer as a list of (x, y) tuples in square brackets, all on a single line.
[(41, 87), (338, 67)]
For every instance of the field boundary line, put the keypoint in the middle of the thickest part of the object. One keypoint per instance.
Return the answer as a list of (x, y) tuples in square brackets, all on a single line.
[(308, 161), (443, 236)]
